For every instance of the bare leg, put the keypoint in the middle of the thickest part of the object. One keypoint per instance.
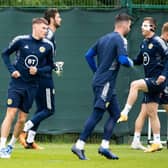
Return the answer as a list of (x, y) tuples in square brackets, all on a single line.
[(6, 125), (136, 86), (153, 115), (136, 144), (7, 122), (139, 123), (19, 124)]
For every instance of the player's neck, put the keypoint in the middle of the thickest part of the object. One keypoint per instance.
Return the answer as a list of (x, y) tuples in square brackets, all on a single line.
[(36, 37), (52, 28), (119, 31)]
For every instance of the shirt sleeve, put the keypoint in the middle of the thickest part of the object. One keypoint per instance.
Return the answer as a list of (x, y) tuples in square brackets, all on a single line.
[(49, 63), (13, 47), (164, 51), (123, 58), (90, 58)]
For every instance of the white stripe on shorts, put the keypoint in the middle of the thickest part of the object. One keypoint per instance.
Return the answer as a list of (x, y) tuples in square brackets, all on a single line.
[(105, 91), (48, 98)]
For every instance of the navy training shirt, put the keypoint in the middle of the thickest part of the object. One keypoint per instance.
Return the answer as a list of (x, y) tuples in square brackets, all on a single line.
[(29, 52), (154, 56), (108, 48)]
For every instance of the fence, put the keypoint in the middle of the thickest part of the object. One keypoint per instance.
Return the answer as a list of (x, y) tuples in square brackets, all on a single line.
[(62, 3), (103, 4), (146, 4)]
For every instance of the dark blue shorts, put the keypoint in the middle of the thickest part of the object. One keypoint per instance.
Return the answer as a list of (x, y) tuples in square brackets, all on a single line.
[(45, 97), (154, 90), (106, 99), (21, 95)]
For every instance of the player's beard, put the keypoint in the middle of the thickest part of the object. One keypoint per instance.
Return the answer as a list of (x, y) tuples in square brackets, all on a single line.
[(57, 25), (126, 32)]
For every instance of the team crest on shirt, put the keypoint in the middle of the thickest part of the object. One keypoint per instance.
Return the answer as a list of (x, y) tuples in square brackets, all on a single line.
[(42, 49), (150, 46), (9, 101)]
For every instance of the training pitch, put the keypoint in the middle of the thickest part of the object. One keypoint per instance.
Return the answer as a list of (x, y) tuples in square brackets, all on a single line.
[(60, 156)]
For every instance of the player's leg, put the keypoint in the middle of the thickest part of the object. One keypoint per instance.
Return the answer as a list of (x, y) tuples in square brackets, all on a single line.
[(135, 87), (40, 104), (155, 125), (95, 117), (139, 123), (31, 131), (29, 97), (5, 152), (18, 127), (13, 102), (6, 125), (45, 101), (90, 124), (114, 113), (45, 107)]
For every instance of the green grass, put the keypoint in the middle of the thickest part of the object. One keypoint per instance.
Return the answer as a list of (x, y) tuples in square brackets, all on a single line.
[(60, 156)]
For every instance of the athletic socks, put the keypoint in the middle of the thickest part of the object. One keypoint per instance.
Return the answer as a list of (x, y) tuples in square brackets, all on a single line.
[(3, 142), (137, 136), (12, 141), (80, 144), (105, 144), (31, 136), (28, 125), (126, 109), (156, 138)]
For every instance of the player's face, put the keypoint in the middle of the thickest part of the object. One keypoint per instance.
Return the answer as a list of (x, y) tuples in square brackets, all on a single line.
[(57, 20), (165, 36), (41, 30), (127, 27), (146, 28)]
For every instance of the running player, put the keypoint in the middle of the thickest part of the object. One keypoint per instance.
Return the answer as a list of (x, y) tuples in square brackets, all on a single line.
[(45, 95), (33, 59), (111, 51)]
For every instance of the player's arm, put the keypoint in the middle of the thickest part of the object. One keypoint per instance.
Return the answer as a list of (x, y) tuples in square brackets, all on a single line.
[(139, 59), (13, 47), (90, 54), (44, 69), (49, 63), (123, 58), (163, 48)]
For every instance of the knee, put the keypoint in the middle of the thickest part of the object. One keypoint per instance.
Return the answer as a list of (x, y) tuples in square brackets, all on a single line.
[(134, 85), (49, 113)]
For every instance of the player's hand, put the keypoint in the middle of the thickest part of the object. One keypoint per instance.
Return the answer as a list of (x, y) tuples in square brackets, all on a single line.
[(16, 74), (32, 70), (160, 79)]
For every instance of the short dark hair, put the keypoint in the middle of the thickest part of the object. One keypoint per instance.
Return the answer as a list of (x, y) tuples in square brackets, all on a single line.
[(122, 17), (152, 22), (50, 13), (39, 20)]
